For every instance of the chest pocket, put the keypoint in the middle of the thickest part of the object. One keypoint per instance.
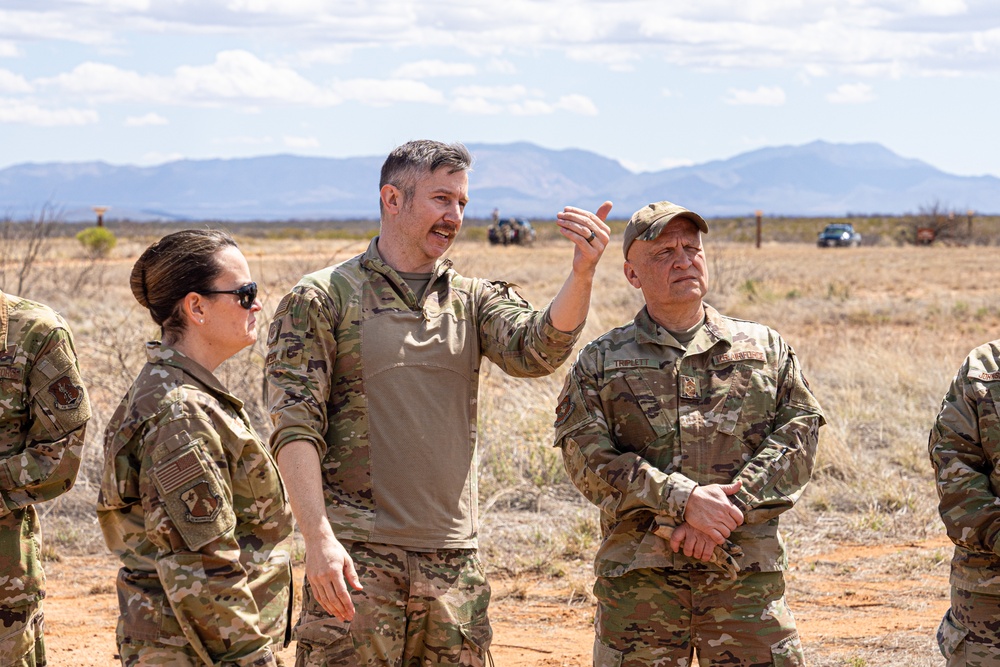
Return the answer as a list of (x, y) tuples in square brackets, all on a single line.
[(644, 413), (750, 405), (257, 489), (989, 425)]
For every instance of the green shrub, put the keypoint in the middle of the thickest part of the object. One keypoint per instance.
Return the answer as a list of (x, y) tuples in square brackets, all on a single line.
[(97, 241)]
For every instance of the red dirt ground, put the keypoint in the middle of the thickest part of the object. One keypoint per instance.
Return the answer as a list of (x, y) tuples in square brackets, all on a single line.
[(855, 605)]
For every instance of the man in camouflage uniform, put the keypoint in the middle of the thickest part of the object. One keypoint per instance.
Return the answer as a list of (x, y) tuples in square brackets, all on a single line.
[(692, 432), (373, 368), (964, 447), (43, 415), (193, 505)]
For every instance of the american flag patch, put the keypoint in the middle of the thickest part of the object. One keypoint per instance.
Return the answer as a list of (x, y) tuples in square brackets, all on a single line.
[(171, 476)]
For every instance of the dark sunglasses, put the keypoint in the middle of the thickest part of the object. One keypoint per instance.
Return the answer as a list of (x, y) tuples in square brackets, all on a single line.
[(247, 294)]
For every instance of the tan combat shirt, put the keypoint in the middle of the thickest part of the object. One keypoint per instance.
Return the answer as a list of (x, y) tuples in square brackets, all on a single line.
[(642, 421), (385, 387), (43, 416), (192, 504)]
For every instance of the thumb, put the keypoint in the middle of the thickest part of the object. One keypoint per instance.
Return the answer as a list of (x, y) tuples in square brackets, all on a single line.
[(602, 212), (730, 489)]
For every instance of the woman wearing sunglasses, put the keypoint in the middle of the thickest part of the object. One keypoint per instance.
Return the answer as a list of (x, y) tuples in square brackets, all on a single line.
[(190, 497)]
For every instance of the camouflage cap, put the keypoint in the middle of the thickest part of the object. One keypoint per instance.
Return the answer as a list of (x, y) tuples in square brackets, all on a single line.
[(647, 223)]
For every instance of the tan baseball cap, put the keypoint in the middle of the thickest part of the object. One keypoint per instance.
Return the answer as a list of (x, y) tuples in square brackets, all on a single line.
[(647, 223)]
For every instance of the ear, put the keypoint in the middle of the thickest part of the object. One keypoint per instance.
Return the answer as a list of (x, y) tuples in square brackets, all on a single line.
[(392, 198), (194, 307), (631, 276)]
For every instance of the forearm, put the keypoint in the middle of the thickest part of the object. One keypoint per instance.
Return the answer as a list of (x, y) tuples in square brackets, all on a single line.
[(621, 483), (300, 466), (775, 477), (570, 307), (42, 471)]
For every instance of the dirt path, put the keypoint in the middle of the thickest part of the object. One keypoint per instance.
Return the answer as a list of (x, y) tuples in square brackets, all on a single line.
[(864, 605)]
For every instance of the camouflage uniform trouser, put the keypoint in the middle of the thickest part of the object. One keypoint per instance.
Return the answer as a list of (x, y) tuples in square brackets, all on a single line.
[(139, 653), (22, 643), (661, 617), (416, 609), (969, 634)]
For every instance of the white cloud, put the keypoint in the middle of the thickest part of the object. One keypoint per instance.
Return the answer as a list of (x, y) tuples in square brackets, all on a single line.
[(337, 54), (9, 49), (501, 93), (301, 142), (425, 69), (618, 58), (941, 7), (383, 92), (500, 66), (26, 113), (13, 83), (233, 76), (65, 25), (769, 96), (146, 120), (517, 100), (476, 106), (578, 104), (241, 75), (851, 93)]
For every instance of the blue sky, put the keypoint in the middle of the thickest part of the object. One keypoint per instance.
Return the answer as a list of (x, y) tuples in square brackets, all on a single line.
[(653, 84)]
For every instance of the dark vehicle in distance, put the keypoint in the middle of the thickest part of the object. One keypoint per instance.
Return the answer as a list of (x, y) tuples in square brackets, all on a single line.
[(512, 231), (839, 234)]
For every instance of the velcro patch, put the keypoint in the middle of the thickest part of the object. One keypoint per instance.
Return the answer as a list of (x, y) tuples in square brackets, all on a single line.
[(7, 356), (756, 355), (11, 373), (563, 411), (631, 363), (202, 502), (985, 377), (175, 474), (193, 496), (66, 394)]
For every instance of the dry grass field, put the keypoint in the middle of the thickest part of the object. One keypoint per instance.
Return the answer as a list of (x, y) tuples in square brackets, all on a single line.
[(880, 332)]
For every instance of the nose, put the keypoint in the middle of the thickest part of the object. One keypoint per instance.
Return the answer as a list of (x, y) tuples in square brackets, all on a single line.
[(454, 213), (256, 307), (681, 260)]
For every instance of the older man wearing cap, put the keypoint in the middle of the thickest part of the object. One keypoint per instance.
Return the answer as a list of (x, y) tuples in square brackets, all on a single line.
[(692, 432)]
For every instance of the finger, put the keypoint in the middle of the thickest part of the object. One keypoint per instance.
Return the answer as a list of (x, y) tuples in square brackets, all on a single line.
[(352, 575), (324, 595), (730, 489), (689, 547), (604, 210), (343, 598), (676, 539), (706, 552)]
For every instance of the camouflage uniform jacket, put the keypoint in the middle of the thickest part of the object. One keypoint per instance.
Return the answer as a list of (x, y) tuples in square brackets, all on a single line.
[(964, 447), (386, 387), (641, 422), (192, 504), (43, 415)]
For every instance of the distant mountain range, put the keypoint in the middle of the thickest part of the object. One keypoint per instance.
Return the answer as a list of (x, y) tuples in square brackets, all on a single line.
[(520, 179)]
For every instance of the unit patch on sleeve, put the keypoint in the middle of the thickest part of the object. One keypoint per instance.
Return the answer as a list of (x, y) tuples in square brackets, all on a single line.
[(66, 394)]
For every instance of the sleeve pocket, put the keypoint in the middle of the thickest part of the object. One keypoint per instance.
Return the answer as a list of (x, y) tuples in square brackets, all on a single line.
[(192, 493)]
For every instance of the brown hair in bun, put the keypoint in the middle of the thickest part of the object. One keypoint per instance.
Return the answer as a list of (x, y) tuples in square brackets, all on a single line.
[(171, 268)]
